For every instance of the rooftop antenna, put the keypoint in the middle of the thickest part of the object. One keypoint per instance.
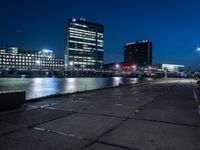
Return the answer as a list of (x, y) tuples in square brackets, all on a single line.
[(82, 17)]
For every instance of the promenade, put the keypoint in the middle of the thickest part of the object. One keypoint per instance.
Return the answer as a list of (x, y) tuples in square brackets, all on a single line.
[(161, 115)]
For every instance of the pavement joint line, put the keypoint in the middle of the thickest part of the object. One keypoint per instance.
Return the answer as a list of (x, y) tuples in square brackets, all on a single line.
[(100, 114), (195, 97), (56, 132), (10, 132), (61, 116), (161, 94), (166, 122), (11, 112), (97, 114), (51, 108), (87, 102), (109, 130), (116, 145), (104, 133), (46, 105), (121, 117), (13, 131)]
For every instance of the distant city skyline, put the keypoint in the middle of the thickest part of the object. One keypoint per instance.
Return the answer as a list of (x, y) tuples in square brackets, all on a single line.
[(171, 25)]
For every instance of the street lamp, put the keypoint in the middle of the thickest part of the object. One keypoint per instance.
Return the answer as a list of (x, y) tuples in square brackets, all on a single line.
[(134, 66), (71, 63), (117, 65)]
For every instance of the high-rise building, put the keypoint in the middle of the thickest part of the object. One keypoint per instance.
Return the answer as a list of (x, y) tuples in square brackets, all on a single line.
[(84, 45), (138, 53)]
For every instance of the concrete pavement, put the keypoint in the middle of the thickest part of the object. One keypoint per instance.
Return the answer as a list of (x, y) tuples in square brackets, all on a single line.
[(161, 115)]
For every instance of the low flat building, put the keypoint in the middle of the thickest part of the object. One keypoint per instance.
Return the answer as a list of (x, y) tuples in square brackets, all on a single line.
[(169, 67), (44, 60)]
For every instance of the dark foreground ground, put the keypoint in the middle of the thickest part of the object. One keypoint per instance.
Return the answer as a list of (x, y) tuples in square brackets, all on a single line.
[(156, 116)]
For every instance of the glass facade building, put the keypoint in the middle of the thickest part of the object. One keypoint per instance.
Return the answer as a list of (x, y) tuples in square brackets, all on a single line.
[(84, 45), (138, 53), (45, 60)]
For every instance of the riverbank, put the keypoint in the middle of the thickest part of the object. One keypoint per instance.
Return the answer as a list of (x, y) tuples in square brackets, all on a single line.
[(158, 115)]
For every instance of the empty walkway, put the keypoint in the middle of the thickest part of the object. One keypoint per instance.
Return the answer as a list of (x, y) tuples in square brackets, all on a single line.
[(156, 116)]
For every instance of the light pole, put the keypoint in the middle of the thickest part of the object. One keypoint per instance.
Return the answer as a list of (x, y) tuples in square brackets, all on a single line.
[(117, 66), (71, 63)]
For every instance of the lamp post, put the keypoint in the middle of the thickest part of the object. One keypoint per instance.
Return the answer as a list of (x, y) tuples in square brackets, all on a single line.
[(71, 63), (117, 66)]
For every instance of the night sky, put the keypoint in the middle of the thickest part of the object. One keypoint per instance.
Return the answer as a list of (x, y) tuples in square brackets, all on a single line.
[(172, 25)]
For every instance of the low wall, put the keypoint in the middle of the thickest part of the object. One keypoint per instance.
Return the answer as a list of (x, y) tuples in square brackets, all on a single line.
[(11, 99)]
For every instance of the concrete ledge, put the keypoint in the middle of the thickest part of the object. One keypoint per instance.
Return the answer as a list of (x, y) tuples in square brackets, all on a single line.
[(142, 82), (84, 91), (11, 99)]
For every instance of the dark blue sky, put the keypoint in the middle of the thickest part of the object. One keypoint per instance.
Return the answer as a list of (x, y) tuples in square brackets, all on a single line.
[(172, 25)]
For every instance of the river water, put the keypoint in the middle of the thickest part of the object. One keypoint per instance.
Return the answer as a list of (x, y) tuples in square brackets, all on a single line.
[(40, 87)]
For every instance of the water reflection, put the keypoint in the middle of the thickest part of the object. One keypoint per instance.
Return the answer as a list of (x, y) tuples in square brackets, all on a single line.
[(39, 87)]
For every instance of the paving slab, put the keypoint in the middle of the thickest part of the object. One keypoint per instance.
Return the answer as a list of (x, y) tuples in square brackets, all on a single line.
[(181, 112), (100, 146), (33, 117), (10, 111), (6, 128), (177, 106), (117, 109), (45, 102), (188, 117), (170, 104), (126, 99), (39, 140), (83, 126), (147, 135), (73, 106)]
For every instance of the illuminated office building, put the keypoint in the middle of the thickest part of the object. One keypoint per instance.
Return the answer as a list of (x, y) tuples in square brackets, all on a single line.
[(44, 60), (84, 45), (138, 53)]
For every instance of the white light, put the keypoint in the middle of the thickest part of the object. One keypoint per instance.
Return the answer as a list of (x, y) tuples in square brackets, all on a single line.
[(117, 65), (38, 62), (71, 63), (47, 51), (74, 20), (198, 49), (134, 66), (130, 43)]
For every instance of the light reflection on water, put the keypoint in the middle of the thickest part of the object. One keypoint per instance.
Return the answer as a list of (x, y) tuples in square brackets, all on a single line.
[(39, 87)]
